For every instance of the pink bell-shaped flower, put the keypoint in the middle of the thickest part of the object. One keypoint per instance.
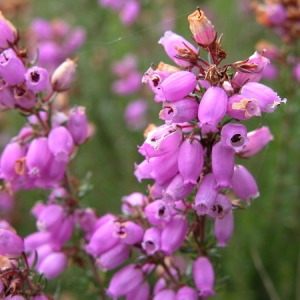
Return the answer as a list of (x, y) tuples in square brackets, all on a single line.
[(12, 161), (142, 291), (224, 229), (8, 33), (180, 111), (158, 212), (60, 143), (241, 108), (176, 189), (190, 160), (175, 45), (11, 245), (151, 240), (212, 109), (258, 139), (234, 136), (204, 277), (243, 184), (113, 257), (36, 162), (124, 281), (206, 195), (222, 164), (221, 206), (53, 265), (173, 234), (176, 86), (12, 68), (128, 232), (266, 98), (37, 79), (78, 125), (186, 293), (165, 294), (161, 140)]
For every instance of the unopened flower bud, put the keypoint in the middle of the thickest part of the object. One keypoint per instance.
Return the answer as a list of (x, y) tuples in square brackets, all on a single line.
[(8, 32), (202, 29), (63, 76)]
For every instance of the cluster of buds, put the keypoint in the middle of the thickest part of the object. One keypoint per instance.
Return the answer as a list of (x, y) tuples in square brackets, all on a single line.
[(282, 16)]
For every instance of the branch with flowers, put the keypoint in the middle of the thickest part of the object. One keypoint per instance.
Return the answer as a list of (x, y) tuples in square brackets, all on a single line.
[(164, 243)]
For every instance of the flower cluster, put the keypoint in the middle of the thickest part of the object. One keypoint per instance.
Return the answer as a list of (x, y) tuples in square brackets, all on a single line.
[(37, 157), (191, 159), (160, 242)]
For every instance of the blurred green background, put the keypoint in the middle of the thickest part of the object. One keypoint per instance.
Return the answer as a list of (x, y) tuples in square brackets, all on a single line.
[(263, 257)]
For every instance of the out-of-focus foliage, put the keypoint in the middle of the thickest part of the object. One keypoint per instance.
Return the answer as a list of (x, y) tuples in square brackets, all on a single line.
[(265, 247)]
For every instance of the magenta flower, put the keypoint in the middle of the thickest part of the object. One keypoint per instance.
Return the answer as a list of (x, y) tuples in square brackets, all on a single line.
[(128, 232), (113, 257), (158, 212), (258, 139), (142, 291), (234, 136), (180, 111), (176, 189), (221, 206), (224, 229), (173, 234), (258, 63), (266, 98), (8, 32), (160, 140), (124, 281), (222, 164), (37, 79), (204, 277), (78, 125), (152, 240), (186, 293), (60, 143), (190, 160), (243, 184), (175, 45), (12, 68), (35, 162), (212, 109), (206, 195), (165, 294), (176, 86), (241, 108), (53, 264), (11, 245)]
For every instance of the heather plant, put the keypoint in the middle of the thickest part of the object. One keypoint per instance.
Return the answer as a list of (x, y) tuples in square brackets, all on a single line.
[(164, 243)]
